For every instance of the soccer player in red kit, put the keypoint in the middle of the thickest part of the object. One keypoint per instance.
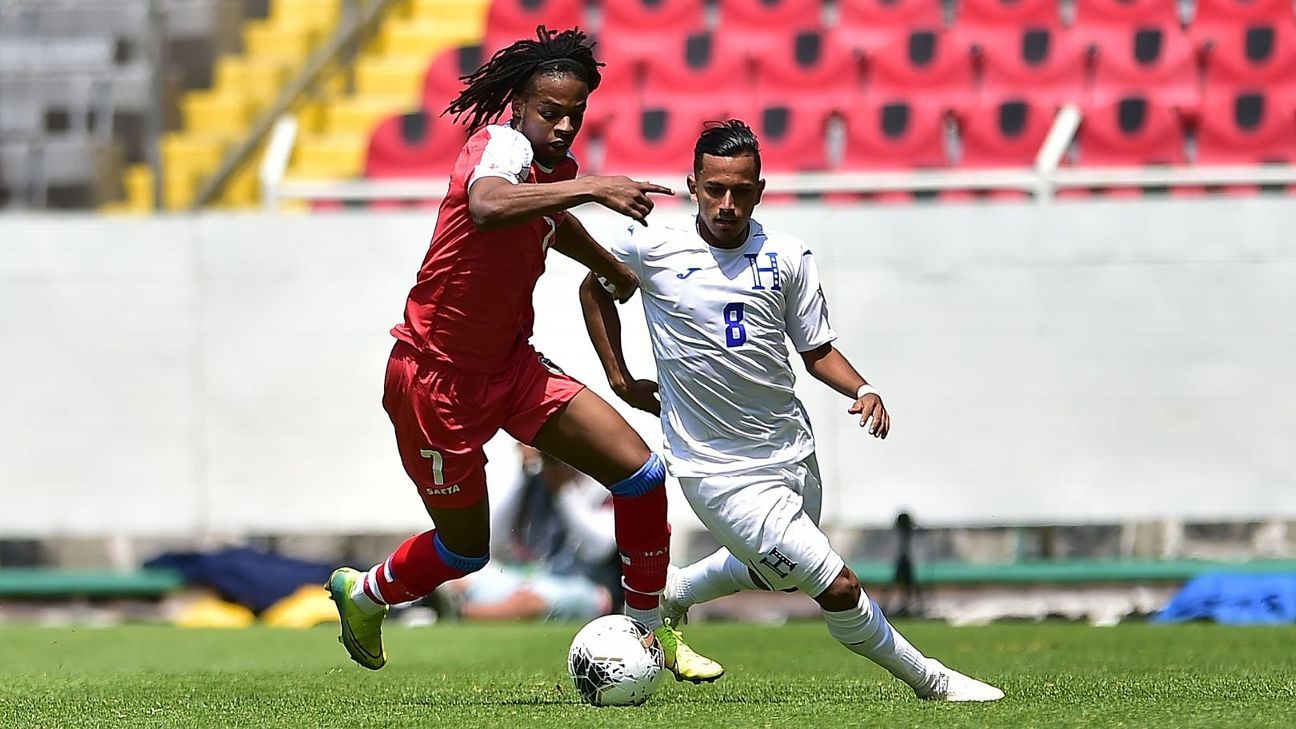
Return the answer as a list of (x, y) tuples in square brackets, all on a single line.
[(463, 366)]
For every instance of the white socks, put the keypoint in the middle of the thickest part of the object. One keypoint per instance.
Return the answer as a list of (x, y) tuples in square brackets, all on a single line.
[(715, 575), (650, 618), (864, 630)]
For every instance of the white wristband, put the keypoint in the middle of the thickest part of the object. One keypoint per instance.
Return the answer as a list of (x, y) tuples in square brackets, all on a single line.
[(866, 390)]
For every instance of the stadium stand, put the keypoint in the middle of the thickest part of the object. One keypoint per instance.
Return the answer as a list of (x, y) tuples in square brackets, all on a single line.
[(509, 20), (1006, 132), (638, 30), (651, 140), (930, 61), (896, 134), (1216, 17), (1261, 56), (1124, 14), (1246, 128), (761, 21), (699, 78), (1135, 130), (809, 69)]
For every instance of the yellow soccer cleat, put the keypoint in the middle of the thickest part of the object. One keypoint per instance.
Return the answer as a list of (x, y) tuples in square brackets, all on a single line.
[(684, 662), (361, 632)]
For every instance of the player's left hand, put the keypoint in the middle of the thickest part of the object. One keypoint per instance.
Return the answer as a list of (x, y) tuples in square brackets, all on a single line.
[(640, 395), (870, 408)]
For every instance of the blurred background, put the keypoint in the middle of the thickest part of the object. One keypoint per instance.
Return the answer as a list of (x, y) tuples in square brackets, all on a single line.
[(1056, 235)]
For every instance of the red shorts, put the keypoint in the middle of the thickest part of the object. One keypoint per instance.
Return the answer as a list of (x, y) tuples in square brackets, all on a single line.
[(443, 416)]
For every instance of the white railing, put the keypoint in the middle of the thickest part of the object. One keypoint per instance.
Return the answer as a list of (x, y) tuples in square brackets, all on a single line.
[(1042, 180)]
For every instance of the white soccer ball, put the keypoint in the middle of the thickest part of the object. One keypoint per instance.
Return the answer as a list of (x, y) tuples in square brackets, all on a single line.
[(615, 660)]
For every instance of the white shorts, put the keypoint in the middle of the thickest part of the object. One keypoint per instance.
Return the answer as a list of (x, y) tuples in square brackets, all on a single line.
[(769, 518)]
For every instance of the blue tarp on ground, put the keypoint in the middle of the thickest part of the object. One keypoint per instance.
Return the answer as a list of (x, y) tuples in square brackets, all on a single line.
[(253, 579), (1235, 599)]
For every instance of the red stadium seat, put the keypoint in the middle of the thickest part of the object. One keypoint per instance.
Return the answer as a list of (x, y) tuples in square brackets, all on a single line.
[(1004, 133), (984, 18), (1254, 57), (1245, 128), (1125, 13), (769, 18), (1214, 17), (697, 77), (442, 84), (791, 137), (866, 25), (652, 140), (808, 70), (928, 61), (511, 20), (1130, 132), (1157, 61), (644, 29), (894, 135), (1050, 63), (421, 144)]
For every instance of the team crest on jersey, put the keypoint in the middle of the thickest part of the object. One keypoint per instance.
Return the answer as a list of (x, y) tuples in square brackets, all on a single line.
[(761, 274)]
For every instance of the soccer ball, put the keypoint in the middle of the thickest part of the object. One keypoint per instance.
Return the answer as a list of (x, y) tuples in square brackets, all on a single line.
[(615, 660)]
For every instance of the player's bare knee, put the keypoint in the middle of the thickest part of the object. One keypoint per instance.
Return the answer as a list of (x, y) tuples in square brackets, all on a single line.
[(842, 594)]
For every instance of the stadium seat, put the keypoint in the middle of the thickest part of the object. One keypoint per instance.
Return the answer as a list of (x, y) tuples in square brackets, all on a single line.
[(1129, 132), (1003, 133), (641, 29), (865, 25), (1246, 128), (511, 20), (652, 140), (441, 84), (983, 19), (791, 137), (1123, 14), (360, 114), (698, 78), (390, 76), (329, 155), (1254, 57), (450, 11), (425, 39), (1214, 17), (224, 115), (898, 134), (768, 19), (1158, 61), (1049, 62), (291, 44), (810, 69), (927, 61), (419, 144)]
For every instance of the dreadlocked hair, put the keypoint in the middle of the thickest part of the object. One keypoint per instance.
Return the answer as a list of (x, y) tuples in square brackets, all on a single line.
[(489, 90)]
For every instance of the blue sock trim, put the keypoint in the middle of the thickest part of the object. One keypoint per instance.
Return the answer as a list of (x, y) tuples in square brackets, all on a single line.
[(458, 561), (651, 475)]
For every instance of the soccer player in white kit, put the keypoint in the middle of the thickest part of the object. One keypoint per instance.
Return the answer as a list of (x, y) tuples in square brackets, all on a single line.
[(720, 297)]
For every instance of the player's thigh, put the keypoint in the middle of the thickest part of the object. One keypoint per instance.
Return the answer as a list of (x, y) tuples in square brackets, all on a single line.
[(760, 519), (447, 464), (591, 436)]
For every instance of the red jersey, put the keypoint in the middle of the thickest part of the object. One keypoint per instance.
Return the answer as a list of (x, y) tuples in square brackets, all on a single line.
[(471, 305)]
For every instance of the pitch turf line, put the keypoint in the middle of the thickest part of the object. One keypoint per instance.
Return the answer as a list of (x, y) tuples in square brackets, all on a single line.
[(513, 676)]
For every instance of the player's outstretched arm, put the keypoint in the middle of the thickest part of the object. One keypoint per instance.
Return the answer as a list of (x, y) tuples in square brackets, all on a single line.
[(573, 241), (495, 203), (604, 326), (828, 365)]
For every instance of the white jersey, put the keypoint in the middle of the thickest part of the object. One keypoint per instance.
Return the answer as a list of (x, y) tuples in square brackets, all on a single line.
[(719, 319)]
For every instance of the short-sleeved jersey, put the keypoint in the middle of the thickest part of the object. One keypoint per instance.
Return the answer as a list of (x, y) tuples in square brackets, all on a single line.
[(471, 305), (719, 320)]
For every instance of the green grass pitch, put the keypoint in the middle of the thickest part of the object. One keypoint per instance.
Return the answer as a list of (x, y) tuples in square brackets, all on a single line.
[(514, 676)]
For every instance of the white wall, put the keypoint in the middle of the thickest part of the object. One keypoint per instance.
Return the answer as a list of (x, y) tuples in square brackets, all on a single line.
[(1070, 364)]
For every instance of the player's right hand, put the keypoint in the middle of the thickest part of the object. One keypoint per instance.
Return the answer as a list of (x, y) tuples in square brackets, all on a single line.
[(626, 196), (640, 395)]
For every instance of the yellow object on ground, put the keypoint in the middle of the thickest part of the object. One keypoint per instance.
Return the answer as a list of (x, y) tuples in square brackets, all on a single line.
[(307, 607)]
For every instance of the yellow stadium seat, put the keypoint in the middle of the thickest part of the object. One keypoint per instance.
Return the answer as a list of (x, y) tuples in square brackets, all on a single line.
[(391, 75), (360, 114), (424, 39), (243, 187), (216, 114), (138, 182), (454, 11), (260, 80), (186, 160), (320, 15), (329, 156), (265, 40)]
